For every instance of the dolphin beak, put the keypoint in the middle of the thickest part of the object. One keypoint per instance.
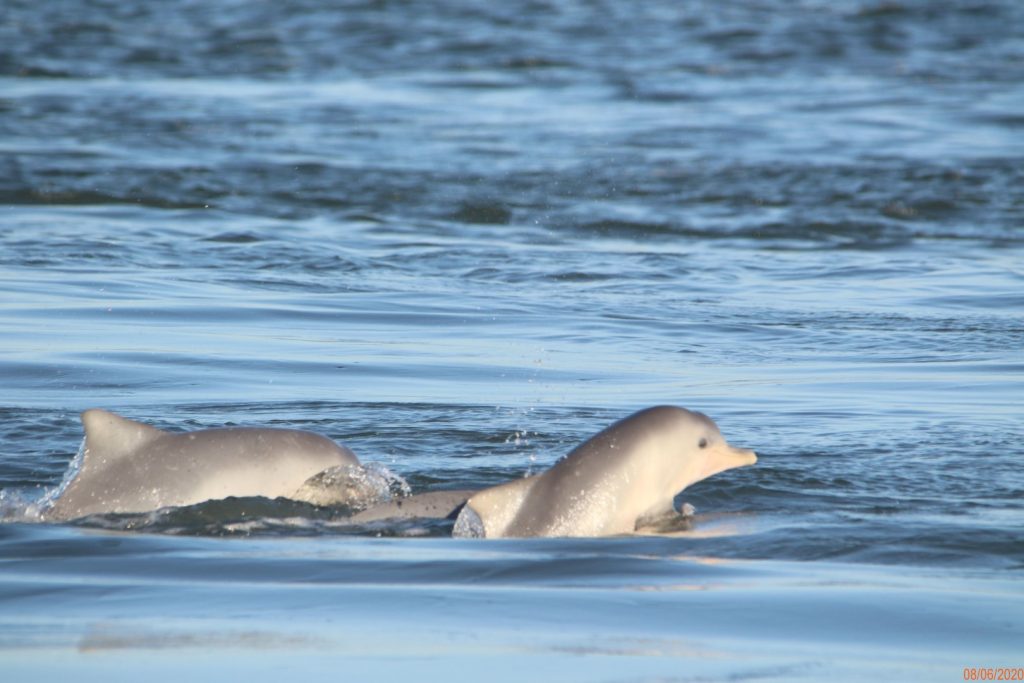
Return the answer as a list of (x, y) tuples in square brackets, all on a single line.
[(743, 456), (726, 457)]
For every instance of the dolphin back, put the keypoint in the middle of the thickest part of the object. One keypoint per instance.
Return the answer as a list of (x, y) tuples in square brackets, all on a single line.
[(127, 466)]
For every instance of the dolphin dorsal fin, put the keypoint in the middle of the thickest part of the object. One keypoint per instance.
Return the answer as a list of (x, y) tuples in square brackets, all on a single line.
[(108, 435)]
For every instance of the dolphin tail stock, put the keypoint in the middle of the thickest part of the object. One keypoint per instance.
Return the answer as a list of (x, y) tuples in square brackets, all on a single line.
[(496, 508)]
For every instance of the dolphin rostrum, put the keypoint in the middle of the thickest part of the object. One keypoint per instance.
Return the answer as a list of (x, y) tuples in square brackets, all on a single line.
[(613, 483), (128, 466)]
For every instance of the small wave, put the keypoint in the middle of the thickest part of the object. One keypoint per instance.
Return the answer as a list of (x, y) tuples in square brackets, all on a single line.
[(234, 238), (483, 213), (76, 197), (24, 504), (21, 505), (259, 517)]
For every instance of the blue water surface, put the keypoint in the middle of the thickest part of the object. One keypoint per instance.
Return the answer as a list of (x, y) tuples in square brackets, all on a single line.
[(461, 238)]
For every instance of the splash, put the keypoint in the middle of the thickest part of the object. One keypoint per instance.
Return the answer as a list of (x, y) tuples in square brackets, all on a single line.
[(468, 525), (27, 505), (20, 505), (355, 486)]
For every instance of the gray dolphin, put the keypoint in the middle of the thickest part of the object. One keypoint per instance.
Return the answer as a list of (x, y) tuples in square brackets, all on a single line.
[(613, 483), (128, 466)]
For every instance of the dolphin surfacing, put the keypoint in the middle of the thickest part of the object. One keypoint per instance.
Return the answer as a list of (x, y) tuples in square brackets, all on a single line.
[(616, 482), (611, 483), (128, 466)]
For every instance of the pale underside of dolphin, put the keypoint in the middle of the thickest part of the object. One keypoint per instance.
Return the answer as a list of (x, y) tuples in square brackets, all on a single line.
[(128, 466), (614, 483)]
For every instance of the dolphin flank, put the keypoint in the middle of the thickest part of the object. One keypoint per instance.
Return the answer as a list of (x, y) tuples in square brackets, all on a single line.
[(128, 466)]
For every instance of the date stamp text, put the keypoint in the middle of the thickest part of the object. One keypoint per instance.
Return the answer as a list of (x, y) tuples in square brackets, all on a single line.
[(1001, 673)]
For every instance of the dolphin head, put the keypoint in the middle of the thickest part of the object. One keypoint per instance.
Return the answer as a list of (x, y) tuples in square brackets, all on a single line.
[(692, 448)]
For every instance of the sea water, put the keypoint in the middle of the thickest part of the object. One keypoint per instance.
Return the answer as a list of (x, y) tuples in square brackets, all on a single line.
[(461, 238)]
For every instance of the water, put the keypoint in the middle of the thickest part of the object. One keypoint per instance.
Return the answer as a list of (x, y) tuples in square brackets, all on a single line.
[(461, 239)]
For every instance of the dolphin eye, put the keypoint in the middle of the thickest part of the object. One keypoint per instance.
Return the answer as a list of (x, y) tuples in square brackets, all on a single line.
[(703, 443)]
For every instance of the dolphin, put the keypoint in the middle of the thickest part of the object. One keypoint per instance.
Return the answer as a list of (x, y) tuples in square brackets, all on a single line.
[(128, 466), (619, 480)]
